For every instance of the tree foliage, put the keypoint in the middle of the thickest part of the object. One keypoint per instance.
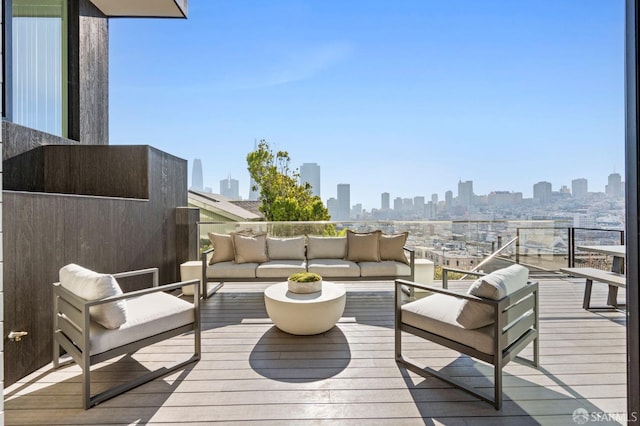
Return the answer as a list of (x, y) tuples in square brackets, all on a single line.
[(283, 198)]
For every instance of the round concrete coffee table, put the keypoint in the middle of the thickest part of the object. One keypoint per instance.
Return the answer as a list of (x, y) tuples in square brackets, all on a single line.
[(305, 314)]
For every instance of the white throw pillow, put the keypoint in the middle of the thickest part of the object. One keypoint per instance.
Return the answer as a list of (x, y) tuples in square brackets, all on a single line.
[(90, 285), (495, 285)]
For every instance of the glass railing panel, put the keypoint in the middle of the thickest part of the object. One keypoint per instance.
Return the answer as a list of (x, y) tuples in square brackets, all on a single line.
[(595, 237)]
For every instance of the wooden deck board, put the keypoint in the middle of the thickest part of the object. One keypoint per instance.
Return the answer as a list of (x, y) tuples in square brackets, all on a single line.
[(251, 372)]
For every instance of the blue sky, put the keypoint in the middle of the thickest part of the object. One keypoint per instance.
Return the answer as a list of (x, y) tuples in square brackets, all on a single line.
[(406, 97)]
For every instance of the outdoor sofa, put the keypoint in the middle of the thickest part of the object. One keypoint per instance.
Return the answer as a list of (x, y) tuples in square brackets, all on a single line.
[(366, 256)]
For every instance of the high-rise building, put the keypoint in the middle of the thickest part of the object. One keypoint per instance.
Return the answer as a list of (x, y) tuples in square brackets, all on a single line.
[(579, 188), (196, 175), (434, 198), (230, 188), (332, 206), (448, 200), (418, 205), (356, 211), (397, 204), (344, 201), (310, 173), (542, 192), (385, 201), (465, 193), (615, 186)]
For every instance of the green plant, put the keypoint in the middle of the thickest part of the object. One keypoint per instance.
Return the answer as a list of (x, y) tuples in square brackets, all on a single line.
[(305, 277), (437, 274), (283, 197)]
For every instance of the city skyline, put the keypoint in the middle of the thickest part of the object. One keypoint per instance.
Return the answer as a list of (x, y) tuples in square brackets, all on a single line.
[(407, 98), (577, 188)]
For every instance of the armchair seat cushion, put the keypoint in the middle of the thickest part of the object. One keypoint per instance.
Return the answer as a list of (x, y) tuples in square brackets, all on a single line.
[(232, 270), (437, 314), (280, 268), (147, 316), (385, 268), (328, 268)]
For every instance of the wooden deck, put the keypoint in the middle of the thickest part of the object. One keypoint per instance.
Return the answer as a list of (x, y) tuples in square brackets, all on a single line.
[(251, 372)]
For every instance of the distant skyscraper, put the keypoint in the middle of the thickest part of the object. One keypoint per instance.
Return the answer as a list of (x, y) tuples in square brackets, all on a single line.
[(332, 206), (196, 175), (384, 201), (434, 198), (230, 188), (397, 204), (465, 193), (542, 192), (344, 201), (448, 199), (579, 188), (418, 205), (310, 172), (615, 187)]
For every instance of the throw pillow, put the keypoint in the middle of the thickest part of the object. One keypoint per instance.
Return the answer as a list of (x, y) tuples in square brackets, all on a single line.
[(250, 248), (495, 285), (285, 248), (326, 247), (392, 247), (363, 246), (222, 248), (90, 286)]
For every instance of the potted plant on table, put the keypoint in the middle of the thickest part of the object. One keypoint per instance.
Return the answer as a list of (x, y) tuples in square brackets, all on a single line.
[(304, 282)]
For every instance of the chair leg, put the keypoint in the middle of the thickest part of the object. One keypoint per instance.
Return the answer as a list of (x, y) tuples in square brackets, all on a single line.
[(497, 377), (587, 294)]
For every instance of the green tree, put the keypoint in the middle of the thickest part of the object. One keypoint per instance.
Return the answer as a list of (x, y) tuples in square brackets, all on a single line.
[(283, 198)]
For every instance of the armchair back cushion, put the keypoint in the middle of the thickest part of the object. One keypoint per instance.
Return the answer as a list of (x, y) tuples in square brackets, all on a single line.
[(285, 248), (363, 246), (250, 248), (495, 285), (90, 285), (326, 247), (222, 248)]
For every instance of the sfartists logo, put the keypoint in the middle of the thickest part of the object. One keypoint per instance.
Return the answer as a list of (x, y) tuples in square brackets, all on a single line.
[(582, 416)]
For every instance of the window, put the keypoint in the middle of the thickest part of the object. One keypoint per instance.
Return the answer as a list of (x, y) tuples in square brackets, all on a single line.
[(40, 65)]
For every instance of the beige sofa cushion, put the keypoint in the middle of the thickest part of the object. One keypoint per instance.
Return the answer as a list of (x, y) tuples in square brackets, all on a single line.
[(326, 247), (437, 314), (90, 286), (495, 285), (280, 268), (232, 270), (392, 247), (148, 315), (250, 248), (363, 246), (384, 268), (222, 248), (285, 248), (328, 268)]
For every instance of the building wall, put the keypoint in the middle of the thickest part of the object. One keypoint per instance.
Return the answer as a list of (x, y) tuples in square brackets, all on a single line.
[(1, 255), (107, 234)]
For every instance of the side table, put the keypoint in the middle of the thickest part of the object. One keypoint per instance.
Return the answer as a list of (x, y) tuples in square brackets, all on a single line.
[(189, 271)]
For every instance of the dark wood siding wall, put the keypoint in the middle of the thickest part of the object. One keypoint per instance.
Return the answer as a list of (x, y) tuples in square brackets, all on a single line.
[(45, 231), (93, 75)]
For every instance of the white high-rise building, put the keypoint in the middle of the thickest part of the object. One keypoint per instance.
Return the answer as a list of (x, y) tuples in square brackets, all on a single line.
[(230, 188), (579, 188), (196, 175), (344, 201), (310, 173)]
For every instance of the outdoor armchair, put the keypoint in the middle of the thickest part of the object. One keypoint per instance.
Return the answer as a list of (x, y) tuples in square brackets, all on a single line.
[(94, 321), (492, 322)]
